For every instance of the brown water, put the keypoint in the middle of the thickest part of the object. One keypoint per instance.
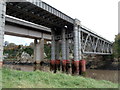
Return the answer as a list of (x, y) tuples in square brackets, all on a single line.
[(109, 75)]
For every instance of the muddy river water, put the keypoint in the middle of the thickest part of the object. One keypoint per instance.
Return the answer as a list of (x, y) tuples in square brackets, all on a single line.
[(109, 75)]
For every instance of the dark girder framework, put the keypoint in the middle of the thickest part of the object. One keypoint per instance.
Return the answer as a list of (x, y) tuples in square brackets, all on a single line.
[(65, 31), (39, 12)]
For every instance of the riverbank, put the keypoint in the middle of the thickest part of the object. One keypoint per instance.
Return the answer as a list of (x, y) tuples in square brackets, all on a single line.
[(108, 75), (40, 79)]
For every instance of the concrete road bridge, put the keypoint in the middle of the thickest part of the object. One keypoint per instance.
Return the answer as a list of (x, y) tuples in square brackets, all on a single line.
[(38, 20)]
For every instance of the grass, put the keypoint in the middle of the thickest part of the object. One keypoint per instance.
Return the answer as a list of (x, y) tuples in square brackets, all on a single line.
[(40, 79)]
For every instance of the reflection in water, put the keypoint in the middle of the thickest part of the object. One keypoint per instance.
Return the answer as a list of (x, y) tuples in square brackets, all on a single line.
[(110, 75)]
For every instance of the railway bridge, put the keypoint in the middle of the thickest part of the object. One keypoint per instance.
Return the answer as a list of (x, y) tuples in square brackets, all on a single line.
[(42, 21)]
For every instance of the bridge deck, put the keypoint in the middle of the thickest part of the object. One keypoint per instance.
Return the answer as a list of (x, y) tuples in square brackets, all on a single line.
[(41, 13), (22, 28), (38, 12)]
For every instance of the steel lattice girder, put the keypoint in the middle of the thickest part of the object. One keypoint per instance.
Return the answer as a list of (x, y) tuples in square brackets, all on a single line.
[(91, 43), (94, 45)]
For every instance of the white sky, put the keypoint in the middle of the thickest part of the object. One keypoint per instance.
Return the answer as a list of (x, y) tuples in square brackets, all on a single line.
[(101, 16)]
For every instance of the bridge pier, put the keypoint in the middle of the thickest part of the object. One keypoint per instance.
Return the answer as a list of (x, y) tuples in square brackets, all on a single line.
[(79, 43), (57, 62), (2, 27), (38, 50), (67, 56), (63, 50), (76, 47), (52, 61)]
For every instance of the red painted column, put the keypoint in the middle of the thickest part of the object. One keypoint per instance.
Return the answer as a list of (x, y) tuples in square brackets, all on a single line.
[(76, 66), (57, 62), (52, 65), (63, 65), (67, 66), (76, 46), (82, 67), (73, 67)]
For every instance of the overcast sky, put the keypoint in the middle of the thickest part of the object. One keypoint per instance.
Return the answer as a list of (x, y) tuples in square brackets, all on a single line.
[(101, 16)]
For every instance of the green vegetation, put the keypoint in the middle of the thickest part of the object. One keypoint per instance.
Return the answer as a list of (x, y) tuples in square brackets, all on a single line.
[(47, 49), (116, 46), (13, 51), (28, 50), (39, 79)]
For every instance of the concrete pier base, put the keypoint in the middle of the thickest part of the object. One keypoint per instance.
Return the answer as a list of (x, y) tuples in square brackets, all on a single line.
[(36, 66), (38, 50)]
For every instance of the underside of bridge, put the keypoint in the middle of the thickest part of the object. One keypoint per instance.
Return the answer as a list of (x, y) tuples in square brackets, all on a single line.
[(68, 35)]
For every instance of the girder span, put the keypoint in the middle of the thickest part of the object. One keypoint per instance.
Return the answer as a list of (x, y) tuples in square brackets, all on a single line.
[(92, 44)]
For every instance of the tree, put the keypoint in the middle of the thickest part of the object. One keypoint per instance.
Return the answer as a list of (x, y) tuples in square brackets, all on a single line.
[(116, 46), (11, 45), (28, 50), (47, 49)]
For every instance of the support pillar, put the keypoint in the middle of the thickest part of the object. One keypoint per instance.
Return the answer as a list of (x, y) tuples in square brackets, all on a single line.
[(57, 62), (38, 50), (35, 44), (52, 61), (82, 63), (76, 47), (79, 52), (63, 51), (38, 53), (2, 27), (41, 49), (67, 56), (79, 43)]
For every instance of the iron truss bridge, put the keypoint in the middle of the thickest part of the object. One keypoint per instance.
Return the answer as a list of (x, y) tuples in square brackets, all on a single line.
[(39, 12), (68, 36)]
